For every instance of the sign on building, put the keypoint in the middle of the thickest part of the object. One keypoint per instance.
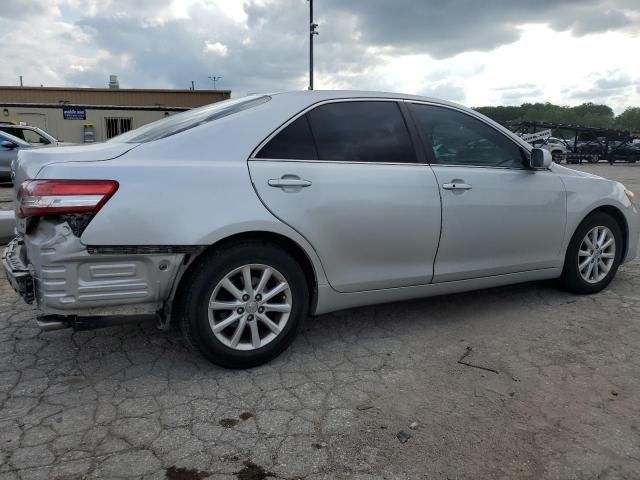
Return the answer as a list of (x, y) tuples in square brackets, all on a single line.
[(74, 113)]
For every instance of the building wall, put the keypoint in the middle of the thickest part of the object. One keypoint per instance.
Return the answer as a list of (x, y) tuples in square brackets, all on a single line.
[(106, 96), (44, 106), (51, 119)]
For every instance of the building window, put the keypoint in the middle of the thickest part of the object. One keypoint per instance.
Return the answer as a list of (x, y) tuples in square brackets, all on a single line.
[(116, 126)]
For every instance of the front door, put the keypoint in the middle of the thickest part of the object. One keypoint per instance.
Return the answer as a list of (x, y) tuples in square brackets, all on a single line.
[(344, 175), (498, 216)]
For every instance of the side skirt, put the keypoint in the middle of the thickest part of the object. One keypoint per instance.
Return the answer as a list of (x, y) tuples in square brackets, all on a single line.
[(329, 300)]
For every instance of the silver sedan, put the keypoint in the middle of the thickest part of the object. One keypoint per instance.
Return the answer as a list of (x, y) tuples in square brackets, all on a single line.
[(241, 218)]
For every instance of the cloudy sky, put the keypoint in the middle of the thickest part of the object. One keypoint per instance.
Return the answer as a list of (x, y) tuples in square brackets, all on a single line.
[(476, 52)]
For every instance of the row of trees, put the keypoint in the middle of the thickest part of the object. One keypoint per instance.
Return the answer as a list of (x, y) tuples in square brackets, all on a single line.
[(587, 114)]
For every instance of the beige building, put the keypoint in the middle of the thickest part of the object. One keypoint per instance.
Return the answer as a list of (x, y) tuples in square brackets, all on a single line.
[(96, 114)]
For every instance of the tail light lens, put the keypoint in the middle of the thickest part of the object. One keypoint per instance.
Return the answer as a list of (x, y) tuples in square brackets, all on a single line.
[(37, 198)]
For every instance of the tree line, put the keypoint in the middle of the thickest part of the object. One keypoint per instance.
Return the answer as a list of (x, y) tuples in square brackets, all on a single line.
[(587, 115)]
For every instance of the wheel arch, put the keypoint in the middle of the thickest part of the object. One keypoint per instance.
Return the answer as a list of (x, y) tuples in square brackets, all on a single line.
[(620, 219), (175, 301)]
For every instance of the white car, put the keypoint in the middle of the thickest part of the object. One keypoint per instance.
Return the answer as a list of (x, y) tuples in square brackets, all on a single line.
[(33, 135), (557, 147)]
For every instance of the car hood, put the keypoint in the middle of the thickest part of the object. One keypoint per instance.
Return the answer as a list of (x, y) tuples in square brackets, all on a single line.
[(31, 161), (569, 172)]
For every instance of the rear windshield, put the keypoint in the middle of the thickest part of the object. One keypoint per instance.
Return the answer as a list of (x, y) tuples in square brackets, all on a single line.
[(192, 118)]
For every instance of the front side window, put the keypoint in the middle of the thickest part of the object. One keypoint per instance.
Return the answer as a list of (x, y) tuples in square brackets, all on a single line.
[(361, 131), (460, 139)]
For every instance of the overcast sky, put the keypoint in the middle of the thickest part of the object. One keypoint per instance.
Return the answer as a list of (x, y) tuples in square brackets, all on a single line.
[(475, 52)]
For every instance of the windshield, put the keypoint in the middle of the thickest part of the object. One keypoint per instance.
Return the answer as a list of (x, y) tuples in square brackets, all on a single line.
[(189, 119), (6, 137)]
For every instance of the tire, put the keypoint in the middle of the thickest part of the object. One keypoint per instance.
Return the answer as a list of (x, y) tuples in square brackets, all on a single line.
[(556, 155), (198, 320), (572, 279)]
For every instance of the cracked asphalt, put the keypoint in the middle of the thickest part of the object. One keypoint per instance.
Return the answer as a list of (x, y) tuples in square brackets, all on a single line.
[(134, 402)]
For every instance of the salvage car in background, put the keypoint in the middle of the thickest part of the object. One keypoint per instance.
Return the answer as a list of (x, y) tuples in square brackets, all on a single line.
[(240, 218)]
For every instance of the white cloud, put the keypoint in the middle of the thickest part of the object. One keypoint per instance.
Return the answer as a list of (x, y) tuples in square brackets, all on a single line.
[(506, 52), (217, 48)]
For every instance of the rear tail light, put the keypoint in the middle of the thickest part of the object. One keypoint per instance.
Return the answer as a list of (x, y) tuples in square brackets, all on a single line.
[(37, 198)]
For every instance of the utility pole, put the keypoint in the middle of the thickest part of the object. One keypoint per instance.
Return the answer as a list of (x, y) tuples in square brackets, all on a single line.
[(21, 80), (312, 32), (214, 79)]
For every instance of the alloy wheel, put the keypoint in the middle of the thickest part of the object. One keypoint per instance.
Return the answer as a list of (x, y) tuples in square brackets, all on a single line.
[(596, 254), (249, 307)]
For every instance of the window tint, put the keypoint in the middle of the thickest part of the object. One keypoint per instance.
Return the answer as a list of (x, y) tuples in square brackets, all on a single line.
[(294, 142), (361, 132), (460, 139)]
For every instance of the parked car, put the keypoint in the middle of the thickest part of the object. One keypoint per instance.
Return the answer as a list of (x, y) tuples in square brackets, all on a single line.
[(33, 135), (625, 151), (590, 147), (9, 148), (557, 147), (241, 218)]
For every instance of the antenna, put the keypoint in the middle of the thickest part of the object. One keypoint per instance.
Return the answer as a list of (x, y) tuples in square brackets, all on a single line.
[(214, 79)]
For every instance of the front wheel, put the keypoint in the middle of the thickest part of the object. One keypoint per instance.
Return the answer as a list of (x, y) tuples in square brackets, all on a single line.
[(593, 256), (245, 304)]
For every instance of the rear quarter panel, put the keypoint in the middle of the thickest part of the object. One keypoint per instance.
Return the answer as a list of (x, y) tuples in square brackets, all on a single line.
[(190, 189)]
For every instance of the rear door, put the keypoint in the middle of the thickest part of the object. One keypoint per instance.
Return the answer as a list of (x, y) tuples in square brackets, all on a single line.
[(345, 176)]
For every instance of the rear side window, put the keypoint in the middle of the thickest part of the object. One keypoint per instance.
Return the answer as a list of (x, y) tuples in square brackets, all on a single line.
[(361, 132), (189, 119), (294, 142)]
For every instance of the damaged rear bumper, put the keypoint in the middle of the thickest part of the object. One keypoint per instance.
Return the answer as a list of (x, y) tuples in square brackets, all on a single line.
[(17, 272), (80, 287)]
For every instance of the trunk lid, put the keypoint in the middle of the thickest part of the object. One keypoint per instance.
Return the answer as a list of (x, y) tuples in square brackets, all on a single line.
[(31, 161)]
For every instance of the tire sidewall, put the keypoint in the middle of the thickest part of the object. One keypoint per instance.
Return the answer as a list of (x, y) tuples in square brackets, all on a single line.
[(204, 281), (571, 274)]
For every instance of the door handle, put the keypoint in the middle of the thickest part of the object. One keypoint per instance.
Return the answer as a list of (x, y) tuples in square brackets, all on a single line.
[(289, 181), (456, 185)]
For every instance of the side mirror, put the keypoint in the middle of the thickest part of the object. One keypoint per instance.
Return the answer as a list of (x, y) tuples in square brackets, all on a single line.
[(540, 159), (8, 145)]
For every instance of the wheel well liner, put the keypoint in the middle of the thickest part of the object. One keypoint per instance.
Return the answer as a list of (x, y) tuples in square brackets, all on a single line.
[(290, 246)]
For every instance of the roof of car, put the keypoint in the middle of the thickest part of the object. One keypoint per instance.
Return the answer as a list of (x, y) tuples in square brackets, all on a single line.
[(320, 95)]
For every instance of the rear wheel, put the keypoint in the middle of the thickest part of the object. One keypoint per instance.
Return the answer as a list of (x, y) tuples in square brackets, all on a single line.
[(593, 256), (245, 304)]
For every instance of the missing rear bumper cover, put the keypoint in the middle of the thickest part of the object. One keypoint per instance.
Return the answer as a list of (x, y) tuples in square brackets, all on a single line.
[(141, 249), (58, 322)]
